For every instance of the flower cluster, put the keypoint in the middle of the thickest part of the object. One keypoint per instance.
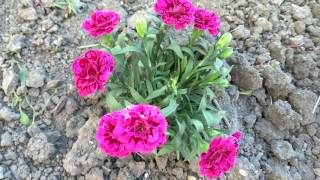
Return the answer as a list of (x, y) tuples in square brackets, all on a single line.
[(92, 71), (142, 128), (181, 13), (137, 128), (221, 155)]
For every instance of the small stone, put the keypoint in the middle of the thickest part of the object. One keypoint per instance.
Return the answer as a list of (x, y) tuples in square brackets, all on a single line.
[(301, 12), (137, 168), (124, 174), (16, 43), (246, 77), (95, 174), (47, 3), (2, 172), (178, 172), (46, 24), (277, 2), (283, 149), (277, 51), (39, 149), (6, 139), (277, 82), (10, 81), (53, 84), (303, 66), (71, 106), (35, 79), (73, 125), (191, 178), (8, 115), (316, 10), (264, 24), (317, 171), (244, 169), (250, 120), (277, 171), (243, 172), (161, 162), (282, 115), (11, 155), (241, 32), (28, 14), (314, 31), (303, 102), (299, 27), (267, 130)]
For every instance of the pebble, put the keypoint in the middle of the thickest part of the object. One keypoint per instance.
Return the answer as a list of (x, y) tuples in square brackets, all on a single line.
[(299, 12), (161, 162), (1, 172), (317, 171), (241, 32), (8, 115), (6, 139), (16, 43), (299, 27), (283, 149), (28, 14), (10, 81), (35, 79), (178, 172), (191, 178)]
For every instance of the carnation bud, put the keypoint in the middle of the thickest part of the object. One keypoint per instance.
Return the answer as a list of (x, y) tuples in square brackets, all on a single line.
[(224, 40), (141, 27), (225, 53)]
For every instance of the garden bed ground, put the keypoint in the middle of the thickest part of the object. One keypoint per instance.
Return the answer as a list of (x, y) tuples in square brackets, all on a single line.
[(276, 73)]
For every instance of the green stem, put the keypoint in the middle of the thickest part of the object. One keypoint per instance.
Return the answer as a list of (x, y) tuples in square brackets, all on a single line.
[(89, 46), (194, 36)]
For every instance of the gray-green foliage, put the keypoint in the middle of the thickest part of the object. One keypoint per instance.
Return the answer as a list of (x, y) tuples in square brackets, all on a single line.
[(153, 68)]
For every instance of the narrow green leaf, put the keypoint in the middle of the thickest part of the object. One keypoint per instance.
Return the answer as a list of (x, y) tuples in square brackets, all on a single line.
[(203, 103), (118, 50), (171, 108), (218, 63), (168, 148), (189, 51), (176, 48), (23, 75), (197, 124), (213, 118), (137, 97), (112, 103), (188, 70), (157, 93), (149, 86)]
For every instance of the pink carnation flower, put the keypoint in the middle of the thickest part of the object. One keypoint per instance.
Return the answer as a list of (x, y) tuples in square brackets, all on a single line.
[(107, 140), (92, 71), (176, 13), (137, 128), (207, 20), (101, 22), (220, 157), (144, 129)]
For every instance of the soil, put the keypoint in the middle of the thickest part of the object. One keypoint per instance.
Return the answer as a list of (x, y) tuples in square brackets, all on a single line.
[(275, 77)]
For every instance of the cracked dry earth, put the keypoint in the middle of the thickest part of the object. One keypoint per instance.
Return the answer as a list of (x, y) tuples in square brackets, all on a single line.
[(276, 78)]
